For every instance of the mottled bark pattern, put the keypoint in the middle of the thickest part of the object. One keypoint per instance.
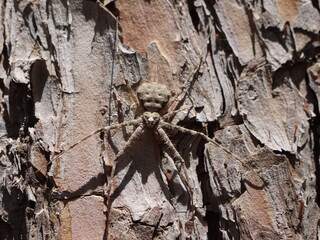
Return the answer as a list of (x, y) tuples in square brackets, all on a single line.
[(249, 74)]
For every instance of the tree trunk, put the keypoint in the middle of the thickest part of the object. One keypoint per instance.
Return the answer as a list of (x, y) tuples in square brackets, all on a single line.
[(244, 73)]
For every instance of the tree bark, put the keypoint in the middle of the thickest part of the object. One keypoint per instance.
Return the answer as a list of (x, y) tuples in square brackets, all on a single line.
[(246, 73)]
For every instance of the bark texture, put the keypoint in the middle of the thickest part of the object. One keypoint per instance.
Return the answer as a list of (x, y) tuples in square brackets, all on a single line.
[(251, 74)]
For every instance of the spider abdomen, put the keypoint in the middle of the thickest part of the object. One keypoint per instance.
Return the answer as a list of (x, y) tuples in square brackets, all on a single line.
[(153, 96)]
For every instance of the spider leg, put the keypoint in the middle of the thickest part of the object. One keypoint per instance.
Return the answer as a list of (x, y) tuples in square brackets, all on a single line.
[(136, 134), (173, 112), (136, 106), (122, 99), (186, 181), (133, 103), (133, 95), (186, 85), (196, 133), (104, 8), (108, 128)]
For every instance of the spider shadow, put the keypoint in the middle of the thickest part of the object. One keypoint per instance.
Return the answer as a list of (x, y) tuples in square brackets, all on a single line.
[(142, 160), (145, 160), (86, 189)]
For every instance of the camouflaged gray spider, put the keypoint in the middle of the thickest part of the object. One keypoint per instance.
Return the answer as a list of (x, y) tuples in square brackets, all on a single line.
[(152, 102)]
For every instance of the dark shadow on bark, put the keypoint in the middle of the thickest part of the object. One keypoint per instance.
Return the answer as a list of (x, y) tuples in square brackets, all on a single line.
[(15, 204), (39, 76), (88, 188), (212, 219), (17, 108), (315, 129)]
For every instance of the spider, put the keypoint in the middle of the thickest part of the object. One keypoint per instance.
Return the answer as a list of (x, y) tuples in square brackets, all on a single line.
[(152, 103)]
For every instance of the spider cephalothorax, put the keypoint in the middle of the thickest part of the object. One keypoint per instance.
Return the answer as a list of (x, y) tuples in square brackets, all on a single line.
[(151, 118), (153, 96)]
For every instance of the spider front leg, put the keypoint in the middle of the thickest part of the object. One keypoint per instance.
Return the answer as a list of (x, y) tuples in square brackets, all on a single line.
[(186, 181), (196, 133), (105, 129)]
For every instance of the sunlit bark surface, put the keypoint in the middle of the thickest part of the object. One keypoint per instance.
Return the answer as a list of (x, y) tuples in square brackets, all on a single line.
[(249, 72)]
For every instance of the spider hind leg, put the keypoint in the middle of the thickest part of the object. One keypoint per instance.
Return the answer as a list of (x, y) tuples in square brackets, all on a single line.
[(184, 177), (135, 135)]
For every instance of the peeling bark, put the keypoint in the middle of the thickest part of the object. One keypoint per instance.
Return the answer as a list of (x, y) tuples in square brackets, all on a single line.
[(249, 72)]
